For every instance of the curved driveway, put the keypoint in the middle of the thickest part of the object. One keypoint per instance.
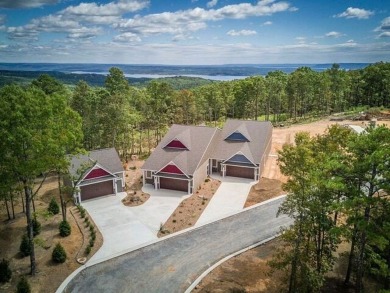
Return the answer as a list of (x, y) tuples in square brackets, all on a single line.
[(172, 264)]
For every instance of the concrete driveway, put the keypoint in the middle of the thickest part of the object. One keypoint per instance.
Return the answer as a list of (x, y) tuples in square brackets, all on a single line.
[(125, 228), (173, 263), (228, 199)]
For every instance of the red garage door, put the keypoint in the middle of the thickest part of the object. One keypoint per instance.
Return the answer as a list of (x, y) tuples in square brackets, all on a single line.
[(174, 184), (96, 190), (242, 172)]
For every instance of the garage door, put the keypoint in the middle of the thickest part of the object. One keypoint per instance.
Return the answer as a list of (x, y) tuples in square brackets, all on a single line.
[(240, 172), (174, 184), (96, 190)]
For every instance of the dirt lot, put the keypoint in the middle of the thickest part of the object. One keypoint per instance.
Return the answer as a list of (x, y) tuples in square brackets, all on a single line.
[(49, 275)]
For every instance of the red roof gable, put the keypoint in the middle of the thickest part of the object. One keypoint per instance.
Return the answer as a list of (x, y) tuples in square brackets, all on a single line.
[(177, 144), (172, 169), (95, 173)]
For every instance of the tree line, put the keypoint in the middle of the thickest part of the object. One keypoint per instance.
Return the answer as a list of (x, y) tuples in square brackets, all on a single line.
[(338, 191), (134, 119)]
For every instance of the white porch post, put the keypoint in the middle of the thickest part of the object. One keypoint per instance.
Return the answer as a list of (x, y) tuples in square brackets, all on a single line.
[(223, 170), (143, 177), (156, 179)]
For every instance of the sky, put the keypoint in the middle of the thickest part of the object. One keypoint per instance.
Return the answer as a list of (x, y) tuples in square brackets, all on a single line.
[(195, 32)]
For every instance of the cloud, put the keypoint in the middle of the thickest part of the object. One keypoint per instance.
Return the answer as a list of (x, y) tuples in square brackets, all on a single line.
[(301, 40), (267, 23), (384, 35), (192, 20), (103, 13), (235, 33), (15, 4), (334, 34), (52, 24), (355, 13), (212, 3), (127, 38), (384, 28)]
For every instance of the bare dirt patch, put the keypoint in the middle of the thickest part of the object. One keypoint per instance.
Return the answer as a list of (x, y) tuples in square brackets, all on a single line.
[(190, 209), (49, 275), (263, 190), (133, 178), (247, 272)]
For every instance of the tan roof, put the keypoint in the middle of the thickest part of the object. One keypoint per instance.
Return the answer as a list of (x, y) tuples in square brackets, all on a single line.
[(258, 132), (196, 138), (107, 158)]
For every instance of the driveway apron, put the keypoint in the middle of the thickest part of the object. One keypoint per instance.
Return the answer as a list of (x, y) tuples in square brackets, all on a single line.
[(228, 199), (123, 227)]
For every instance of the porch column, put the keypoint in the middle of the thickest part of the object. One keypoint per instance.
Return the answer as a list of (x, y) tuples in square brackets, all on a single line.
[(143, 177)]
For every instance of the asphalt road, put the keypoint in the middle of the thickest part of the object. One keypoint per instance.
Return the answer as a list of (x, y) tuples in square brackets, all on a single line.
[(173, 264)]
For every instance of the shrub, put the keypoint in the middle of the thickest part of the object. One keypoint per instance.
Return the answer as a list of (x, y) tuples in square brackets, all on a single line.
[(87, 250), (36, 226), (25, 246), (53, 207), (65, 229), (23, 286), (91, 242), (59, 254), (5, 271)]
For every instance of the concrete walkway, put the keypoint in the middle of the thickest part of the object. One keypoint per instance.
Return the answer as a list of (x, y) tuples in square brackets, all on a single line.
[(171, 264), (125, 228), (228, 199)]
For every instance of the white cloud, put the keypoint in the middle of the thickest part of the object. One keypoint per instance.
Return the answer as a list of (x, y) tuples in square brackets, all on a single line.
[(267, 23), (127, 38), (384, 28), (212, 3), (196, 19), (301, 40), (235, 33), (384, 35), (25, 3), (355, 13), (334, 34)]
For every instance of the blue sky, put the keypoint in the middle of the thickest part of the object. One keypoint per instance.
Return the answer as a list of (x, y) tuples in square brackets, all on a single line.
[(194, 31)]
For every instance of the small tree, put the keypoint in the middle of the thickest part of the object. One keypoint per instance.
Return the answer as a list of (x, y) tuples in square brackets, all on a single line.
[(65, 229), (53, 207), (25, 246), (23, 286), (36, 226), (5, 271), (59, 254)]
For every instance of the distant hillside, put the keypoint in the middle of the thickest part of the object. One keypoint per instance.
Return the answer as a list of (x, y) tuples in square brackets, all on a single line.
[(25, 77)]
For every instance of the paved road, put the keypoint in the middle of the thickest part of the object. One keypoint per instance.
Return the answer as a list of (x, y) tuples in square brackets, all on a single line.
[(172, 264)]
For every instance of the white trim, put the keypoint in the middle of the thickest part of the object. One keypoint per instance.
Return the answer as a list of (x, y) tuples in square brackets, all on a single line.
[(85, 183), (158, 176), (172, 163), (93, 168), (239, 153)]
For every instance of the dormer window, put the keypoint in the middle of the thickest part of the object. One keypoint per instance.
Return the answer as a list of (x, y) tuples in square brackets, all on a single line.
[(176, 144), (237, 137)]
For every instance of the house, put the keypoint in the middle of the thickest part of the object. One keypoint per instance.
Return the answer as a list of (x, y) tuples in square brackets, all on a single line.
[(180, 161), (96, 174), (242, 149), (188, 154)]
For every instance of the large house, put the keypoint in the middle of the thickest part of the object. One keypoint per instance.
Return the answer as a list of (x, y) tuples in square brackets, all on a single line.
[(188, 154), (96, 174)]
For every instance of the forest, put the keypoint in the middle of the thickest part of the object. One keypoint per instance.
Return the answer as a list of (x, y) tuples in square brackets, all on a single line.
[(134, 119), (41, 123)]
